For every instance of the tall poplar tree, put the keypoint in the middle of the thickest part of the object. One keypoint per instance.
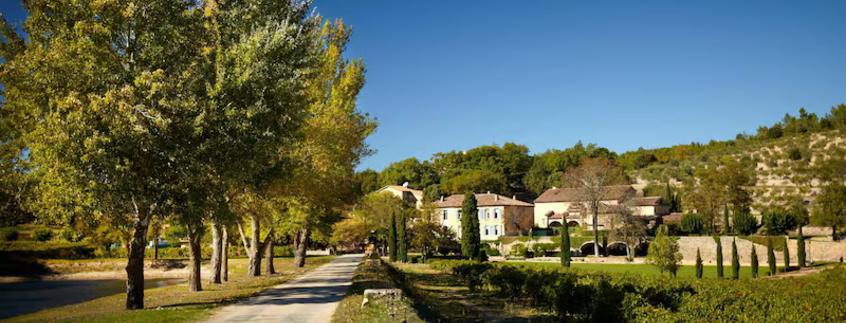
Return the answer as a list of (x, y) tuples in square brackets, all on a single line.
[(800, 249), (565, 245), (402, 238), (786, 254), (720, 273), (470, 235), (392, 238), (698, 264), (771, 261), (735, 261), (754, 262)]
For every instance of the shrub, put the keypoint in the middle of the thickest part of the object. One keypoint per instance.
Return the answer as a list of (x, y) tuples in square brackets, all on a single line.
[(745, 223), (508, 281), (540, 249), (71, 235), (540, 286), (518, 250), (42, 234), (283, 251), (471, 273), (8, 234), (692, 223), (794, 153), (778, 221)]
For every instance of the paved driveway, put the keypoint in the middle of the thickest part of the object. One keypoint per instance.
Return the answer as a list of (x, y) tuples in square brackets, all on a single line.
[(312, 297)]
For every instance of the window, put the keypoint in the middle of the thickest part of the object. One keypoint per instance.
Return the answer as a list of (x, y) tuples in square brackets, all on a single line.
[(497, 212), (496, 230), (445, 214), (481, 214), (486, 230), (459, 214)]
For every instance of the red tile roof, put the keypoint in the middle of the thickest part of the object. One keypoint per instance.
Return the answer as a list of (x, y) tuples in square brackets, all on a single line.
[(482, 199), (616, 192)]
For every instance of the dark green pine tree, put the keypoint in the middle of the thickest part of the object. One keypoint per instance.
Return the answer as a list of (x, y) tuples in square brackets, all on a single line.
[(754, 262), (470, 236), (402, 239), (720, 272), (771, 261), (392, 238), (726, 228), (565, 246), (800, 249), (786, 254), (698, 264), (735, 261)]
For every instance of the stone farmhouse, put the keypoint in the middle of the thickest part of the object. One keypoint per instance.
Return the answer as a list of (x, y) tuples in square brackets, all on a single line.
[(407, 195), (560, 206), (498, 215)]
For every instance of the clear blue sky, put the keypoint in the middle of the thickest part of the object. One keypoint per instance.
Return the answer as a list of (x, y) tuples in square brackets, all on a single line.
[(446, 75)]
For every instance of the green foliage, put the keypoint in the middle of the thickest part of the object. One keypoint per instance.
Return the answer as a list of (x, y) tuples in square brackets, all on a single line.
[(692, 223), (518, 250), (771, 261), (735, 261), (470, 236), (698, 264), (471, 272), (565, 246), (45, 250), (726, 229), (786, 254), (392, 239), (745, 223), (754, 262), (800, 249), (507, 280), (402, 238), (8, 234), (719, 255), (664, 251), (42, 234), (540, 249), (548, 167), (794, 153), (417, 174), (830, 207), (778, 221), (71, 235)]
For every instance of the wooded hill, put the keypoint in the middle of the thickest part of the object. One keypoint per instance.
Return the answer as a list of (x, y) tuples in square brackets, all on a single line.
[(779, 154)]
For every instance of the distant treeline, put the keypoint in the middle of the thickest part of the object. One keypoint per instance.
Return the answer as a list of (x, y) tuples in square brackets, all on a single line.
[(510, 169)]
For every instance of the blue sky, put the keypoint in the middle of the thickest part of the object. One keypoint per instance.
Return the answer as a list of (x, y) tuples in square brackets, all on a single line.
[(445, 75)]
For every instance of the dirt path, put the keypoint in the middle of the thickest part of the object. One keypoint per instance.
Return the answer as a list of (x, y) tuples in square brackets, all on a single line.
[(312, 297)]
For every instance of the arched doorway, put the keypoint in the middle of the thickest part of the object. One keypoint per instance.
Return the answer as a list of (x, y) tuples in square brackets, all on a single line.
[(617, 248), (587, 249)]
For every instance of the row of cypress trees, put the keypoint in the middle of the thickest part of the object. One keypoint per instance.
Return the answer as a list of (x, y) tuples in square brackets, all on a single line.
[(735, 259), (398, 238)]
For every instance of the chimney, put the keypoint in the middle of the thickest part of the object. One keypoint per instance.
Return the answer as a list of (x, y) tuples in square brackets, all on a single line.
[(513, 197), (496, 197), (442, 198)]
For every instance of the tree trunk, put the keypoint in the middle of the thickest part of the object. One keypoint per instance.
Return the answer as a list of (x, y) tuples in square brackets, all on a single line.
[(833, 233), (268, 254), (135, 263), (216, 257), (300, 246), (255, 248), (194, 234), (225, 255), (156, 248)]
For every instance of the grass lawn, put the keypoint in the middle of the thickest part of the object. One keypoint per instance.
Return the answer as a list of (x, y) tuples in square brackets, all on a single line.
[(175, 303), (684, 271), (373, 274)]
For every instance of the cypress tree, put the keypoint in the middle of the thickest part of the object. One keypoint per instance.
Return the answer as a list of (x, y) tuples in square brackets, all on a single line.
[(754, 261), (565, 246), (771, 261), (726, 228), (719, 257), (470, 236), (698, 264), (392, 238), (402, 239), (735, 261), (800, 248), (786, 255)]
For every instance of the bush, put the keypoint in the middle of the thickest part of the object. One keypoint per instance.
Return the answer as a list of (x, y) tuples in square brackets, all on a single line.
[(518, 250), (778, 221), (745, 223), (692, 223), (540, 249), (283, 251), (71, 235), (42, 234), (471, 272), (9, 234), (507, 280), (794, 153)]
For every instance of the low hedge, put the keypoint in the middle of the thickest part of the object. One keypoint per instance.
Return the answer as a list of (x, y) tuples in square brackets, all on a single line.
[(47, 250), (8, 234)]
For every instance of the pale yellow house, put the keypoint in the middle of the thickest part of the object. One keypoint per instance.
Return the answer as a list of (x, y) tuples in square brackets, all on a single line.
[(559, 206), (498, 215), (408, 195)]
